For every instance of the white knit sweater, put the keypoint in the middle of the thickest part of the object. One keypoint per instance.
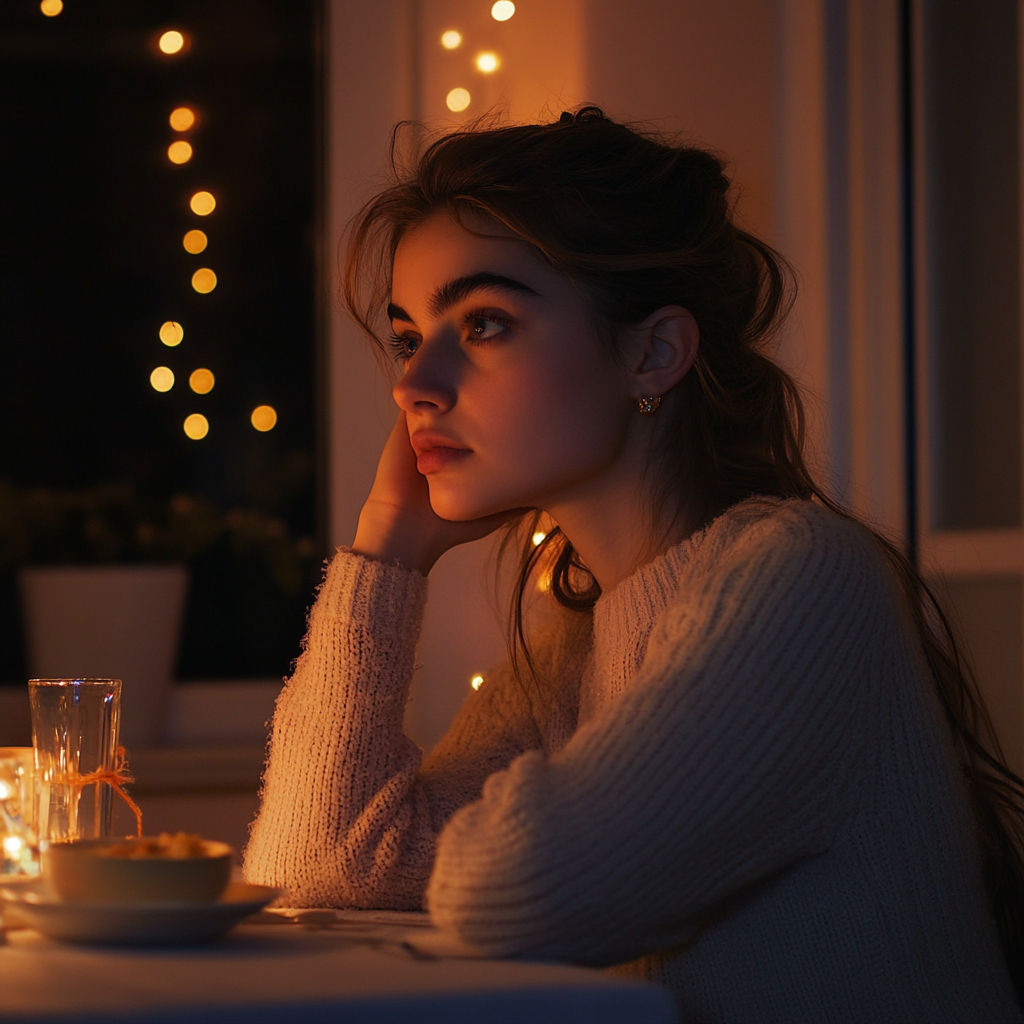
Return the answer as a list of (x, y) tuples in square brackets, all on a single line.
[(734, 779)]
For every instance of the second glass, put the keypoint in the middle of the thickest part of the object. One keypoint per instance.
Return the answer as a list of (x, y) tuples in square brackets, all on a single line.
[(75, 726)]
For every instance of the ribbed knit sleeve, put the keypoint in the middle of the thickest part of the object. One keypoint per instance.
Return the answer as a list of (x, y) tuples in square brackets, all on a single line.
[(349, 816), (730, 756)]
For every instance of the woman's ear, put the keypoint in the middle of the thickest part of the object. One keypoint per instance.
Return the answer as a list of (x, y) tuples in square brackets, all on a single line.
[(661, 351)]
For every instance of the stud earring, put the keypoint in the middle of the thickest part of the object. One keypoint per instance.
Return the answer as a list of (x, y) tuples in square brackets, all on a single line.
[(649, 406)]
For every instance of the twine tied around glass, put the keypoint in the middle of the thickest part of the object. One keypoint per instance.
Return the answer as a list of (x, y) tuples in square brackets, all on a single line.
[(116, 778)]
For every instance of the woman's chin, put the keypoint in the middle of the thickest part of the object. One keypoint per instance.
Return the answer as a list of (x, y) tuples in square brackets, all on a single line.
[(461, 508)]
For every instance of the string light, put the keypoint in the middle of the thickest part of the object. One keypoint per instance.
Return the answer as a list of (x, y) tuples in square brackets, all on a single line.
[(171, 333), (172, 42), (182, 118), (51, 8), (451, 40), (13, 845), (503, 10), (476, 682), (197, 426), (264, 418), (195, 241), (458, 99), (201, 381), (487, 62), (202, 204), (204, 280), (179, 152), (162, 378)]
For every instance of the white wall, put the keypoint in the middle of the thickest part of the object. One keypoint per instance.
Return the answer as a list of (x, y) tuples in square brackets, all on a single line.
[(800, 95)]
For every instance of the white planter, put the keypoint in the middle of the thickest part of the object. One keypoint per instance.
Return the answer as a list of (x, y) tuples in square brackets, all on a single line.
[(112, 621)]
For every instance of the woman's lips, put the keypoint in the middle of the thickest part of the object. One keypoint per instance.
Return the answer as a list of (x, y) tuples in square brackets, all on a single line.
[(432, 459)]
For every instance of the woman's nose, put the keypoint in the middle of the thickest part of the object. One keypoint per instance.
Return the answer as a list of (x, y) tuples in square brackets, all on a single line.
[(429, 380)]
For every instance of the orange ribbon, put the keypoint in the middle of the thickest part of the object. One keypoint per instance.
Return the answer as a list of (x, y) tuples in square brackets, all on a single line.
[(116, 778)]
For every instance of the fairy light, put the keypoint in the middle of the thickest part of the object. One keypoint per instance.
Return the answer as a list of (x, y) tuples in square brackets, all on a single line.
[(171, 333), (162, 379), (5, 790), (195, 241), (179, 152), (197, 426), (13, 845), (458, 99), (202, 204), (264, 418), (201, 381), (182, 118), (503, 10), (204, 280), (451, 40), (487, 62), (51, 8), (476, 682), (172, 42)]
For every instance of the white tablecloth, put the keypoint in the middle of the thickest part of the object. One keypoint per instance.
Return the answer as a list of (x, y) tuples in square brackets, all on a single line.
[(265, 973)]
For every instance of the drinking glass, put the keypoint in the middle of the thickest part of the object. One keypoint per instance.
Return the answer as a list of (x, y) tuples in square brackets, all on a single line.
[(18, 849), (75, 732)]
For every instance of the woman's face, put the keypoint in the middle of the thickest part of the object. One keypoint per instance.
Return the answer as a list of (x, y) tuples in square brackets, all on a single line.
[(510, 397)]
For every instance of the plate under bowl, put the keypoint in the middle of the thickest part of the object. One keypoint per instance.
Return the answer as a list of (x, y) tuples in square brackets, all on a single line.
[(119, 924)]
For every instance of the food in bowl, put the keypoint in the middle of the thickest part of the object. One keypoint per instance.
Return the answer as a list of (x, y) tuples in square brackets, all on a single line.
[(169, 868)]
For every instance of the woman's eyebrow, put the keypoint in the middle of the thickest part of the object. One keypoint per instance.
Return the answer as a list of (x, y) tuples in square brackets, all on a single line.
[(457, 289)]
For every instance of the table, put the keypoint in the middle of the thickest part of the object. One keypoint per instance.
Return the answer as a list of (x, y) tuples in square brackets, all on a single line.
[(264, 973)]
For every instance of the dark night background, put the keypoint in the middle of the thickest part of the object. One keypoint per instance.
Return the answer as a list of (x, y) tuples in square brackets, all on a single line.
[(92, 263)]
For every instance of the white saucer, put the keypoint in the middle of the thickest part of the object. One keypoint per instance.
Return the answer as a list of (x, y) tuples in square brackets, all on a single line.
[(33, 905)]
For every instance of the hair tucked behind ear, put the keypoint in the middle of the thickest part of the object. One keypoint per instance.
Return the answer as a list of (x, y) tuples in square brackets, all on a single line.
[(640, 223)]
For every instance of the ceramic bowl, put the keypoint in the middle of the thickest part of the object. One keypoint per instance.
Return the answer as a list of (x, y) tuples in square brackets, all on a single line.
[(79, 872)]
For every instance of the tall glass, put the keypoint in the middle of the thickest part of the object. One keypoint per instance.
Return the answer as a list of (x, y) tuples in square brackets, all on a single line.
[(75, 732)]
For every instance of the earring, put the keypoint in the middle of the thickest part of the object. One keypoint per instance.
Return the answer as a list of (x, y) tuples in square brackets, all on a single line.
[(649, 406)]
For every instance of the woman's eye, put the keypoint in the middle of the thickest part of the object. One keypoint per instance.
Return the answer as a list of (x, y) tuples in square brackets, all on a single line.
[(482, 329), (404, 347)]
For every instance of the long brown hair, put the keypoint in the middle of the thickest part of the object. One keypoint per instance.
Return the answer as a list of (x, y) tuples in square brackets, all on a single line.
[(640, 223)]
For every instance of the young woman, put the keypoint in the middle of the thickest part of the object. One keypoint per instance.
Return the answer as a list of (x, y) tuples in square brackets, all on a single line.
[(742, 759)]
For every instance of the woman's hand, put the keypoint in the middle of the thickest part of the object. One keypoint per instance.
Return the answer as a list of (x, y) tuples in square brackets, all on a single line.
[(397, 523)]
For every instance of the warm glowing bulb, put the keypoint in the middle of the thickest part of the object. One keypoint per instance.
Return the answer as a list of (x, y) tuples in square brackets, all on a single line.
[(13, 845), (162, 378), (457, 99), (51, 8), (538, 537), (264, 418), (182, 118), (194, 241), (451, 39), (476, 682), (487, 62), (5, 790), (204, 280), (503, 10), (197, 426), (203, 203), (201, 381), (171, 333), (179, 152), (173, 41)]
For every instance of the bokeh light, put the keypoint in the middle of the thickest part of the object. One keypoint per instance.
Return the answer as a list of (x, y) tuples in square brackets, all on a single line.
[(487, 62), (51, 8), (204, 280), (171, 333), (538, 537), (202, 204), (503, 10), (477, 681), (179, 152), (195, 241), (458, 99), (162, 378), (264, 418), (197, 426), (171, 42), (451, 39), (201, 381), (182, 118)]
